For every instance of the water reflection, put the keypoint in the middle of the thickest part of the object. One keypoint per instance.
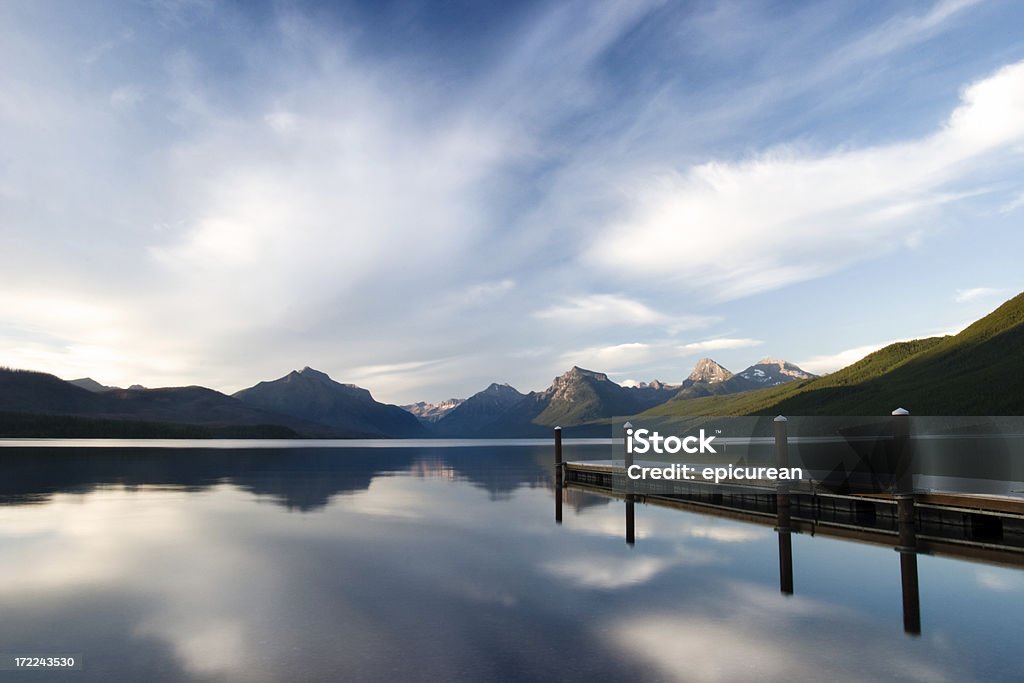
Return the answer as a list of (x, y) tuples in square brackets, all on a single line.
[(427, 564), (301, 479), (785, 532), (907, 549)]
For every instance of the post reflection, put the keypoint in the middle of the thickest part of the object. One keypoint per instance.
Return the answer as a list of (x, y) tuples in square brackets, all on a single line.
[(905, 519), (630, 520), (559, 475), (796, 510), (785, 532), (784, 528), (908, 565), (783, 522)]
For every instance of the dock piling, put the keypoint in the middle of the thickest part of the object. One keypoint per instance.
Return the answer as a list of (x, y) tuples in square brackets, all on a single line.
[(559, 475), (904, 485), (558, 452), (782, 510), (781, 441), (627, 462)]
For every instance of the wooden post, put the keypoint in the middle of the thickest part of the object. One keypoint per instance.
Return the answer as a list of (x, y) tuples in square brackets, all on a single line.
[(904, 485), (558, 451), (781, 442), (903, 472), (627, 462), (902, 460), (782, 511), (559, 467)]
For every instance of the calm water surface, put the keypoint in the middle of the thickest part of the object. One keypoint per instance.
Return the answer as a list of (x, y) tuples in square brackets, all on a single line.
[(436, 562)]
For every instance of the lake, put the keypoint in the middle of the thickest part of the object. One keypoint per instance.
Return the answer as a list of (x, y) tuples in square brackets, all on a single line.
[(438, 560)]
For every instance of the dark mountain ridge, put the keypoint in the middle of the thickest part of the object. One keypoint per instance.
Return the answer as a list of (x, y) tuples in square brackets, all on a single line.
[(313, 396), (25, 393), (478, 414)]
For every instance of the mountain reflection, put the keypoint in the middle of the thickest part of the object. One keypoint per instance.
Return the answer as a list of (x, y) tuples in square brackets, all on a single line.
[(443, 564), (301, 479)]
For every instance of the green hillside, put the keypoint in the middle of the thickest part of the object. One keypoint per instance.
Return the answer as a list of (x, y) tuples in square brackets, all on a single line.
[(977, 372)]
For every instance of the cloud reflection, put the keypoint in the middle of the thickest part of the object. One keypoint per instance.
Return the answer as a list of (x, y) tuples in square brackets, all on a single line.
[(749, 634)]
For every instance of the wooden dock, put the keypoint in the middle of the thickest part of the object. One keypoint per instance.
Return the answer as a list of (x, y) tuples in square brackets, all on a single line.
[(983, 528), (978, 528)]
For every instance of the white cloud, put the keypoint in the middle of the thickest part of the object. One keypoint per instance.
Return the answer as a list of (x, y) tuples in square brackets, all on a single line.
[(1000, 580), (827, 363), (722, 533), (317, 204), (398, 376), (713, 644), (486, 292), (282, 122), (125, 97), (618, 358), (612, 358), (902, 31), (606, 310), (735, 228), (203, 645), (1013, 204), (975, 293), (717, 344), (74, 336), (824, 364), (608, 573)]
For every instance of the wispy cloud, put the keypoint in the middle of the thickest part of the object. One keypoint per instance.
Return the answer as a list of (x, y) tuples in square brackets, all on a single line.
[(485, 292), (736, 228), (1012, 205), (632, 357), (1000, 580), (975, 293), (613, 358), (602, 310), (824, 364), (238, 191), (900, 32), (718, 344)]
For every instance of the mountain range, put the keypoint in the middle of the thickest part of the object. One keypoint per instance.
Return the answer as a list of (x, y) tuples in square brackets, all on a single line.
[(977, 371), (711, 379), (37, 404), (430, 413), (308, 403), (582, 399)]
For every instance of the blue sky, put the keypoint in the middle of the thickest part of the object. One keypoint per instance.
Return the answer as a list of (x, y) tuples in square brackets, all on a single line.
[(423, 198)]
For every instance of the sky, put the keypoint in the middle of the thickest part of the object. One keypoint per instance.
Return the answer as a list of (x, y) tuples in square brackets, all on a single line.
[(424, 198)]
